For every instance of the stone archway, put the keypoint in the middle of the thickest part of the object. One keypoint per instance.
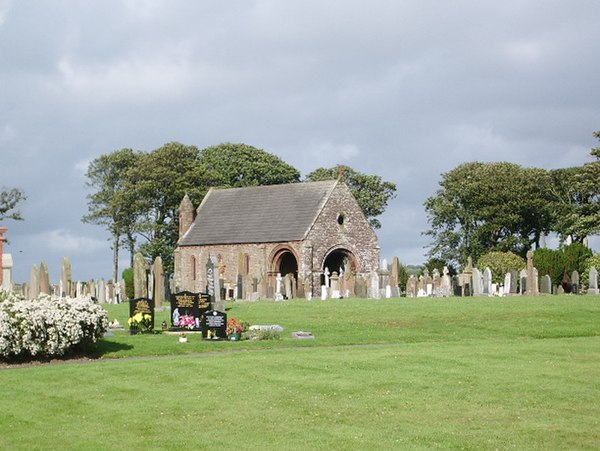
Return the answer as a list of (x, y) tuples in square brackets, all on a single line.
[(285, 263), (339, 260)]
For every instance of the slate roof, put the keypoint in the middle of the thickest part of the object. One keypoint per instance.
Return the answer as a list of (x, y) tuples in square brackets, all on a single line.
[(260, 214)]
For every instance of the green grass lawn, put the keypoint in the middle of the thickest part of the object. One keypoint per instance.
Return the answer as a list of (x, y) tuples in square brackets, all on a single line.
[(501, 373)]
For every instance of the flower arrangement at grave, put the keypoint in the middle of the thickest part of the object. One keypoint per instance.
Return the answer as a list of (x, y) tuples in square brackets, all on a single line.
[(235, 327), (48, 326), (187, 321), (140, 322)]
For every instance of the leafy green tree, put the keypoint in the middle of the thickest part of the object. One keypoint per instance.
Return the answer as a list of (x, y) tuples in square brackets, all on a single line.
[(156, 184), (239, 165), (483, 207), (550, 262), (577, 199), (370, 191), (9, 200), (111, 205)]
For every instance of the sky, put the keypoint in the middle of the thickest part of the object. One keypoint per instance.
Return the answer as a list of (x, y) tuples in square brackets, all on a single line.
[(403, 89)]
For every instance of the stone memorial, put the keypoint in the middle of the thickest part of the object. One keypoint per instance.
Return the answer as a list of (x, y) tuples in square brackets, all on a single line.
[(214, 325), (477, 282), (187, 309), (523, 281), (546, 285), (487, 282), (66, 277), (593, 288), (575, 283), (532, 288), (44, 279), (140, 286), (143, 305)]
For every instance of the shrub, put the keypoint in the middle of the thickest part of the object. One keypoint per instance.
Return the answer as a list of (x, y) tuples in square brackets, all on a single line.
[(576, 255), (500, 263), (591, 261), (128, 278), (48, 326), (551, 262)]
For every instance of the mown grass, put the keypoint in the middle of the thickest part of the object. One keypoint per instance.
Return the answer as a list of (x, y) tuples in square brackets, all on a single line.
[(514, 373)]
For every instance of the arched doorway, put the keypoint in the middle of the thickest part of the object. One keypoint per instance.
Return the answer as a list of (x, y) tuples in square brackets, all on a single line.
[(340, 261), (285, 263)]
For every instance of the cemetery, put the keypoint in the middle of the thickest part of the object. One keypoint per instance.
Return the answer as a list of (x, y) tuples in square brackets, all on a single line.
[(285, 339)]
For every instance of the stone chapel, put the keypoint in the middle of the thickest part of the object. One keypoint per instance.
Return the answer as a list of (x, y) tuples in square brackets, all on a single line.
[(300, 232)]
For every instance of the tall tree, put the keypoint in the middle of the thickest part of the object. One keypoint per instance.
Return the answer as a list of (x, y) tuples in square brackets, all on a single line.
[(158, 182), (111, 204), (370, 191), (238, 165), (576, 194), (9, 200), (484, 207)]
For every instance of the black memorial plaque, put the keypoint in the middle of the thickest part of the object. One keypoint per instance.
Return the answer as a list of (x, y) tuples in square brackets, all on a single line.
[(214, 325)]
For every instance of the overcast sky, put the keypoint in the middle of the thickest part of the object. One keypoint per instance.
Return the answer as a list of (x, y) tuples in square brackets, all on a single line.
[(402, 89)]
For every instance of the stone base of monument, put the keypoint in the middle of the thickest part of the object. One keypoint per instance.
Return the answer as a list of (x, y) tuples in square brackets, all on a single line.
[(593, 291)]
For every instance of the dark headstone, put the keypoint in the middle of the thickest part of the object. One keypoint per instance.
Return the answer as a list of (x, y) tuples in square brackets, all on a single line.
[(214, 325), (144, 306), (187, 309)]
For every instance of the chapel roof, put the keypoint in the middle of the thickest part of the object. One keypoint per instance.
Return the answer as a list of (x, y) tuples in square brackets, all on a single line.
[(258, 214)]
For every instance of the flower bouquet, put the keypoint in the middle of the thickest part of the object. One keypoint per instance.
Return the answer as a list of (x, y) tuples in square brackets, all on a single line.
[(235, 328), (139, 323)]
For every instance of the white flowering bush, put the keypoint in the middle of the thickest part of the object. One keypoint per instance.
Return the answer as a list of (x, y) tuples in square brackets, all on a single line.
[(48, 326)]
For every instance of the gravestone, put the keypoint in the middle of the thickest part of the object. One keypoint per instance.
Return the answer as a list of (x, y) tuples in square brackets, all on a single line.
[(487, 282), (593, 289), (214, 325), (44, 279), (66, 276), (446, 287), (110, 287), (507, 284), (360, 287), (546, 285), (523, 281), (144, 306), (457, 289), (575, 282), (436, 282), (395, 276), (514, 282), (140, 287), (213, 288), (159, 282), (279, 287), (101, 291), (34, 285), (477, 282), (374, 286), (532, 288), (289, 283), (187, 309), (335, 285), (411, 286)]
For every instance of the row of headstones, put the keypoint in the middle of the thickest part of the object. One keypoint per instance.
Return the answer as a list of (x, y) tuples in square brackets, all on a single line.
[(517, 283), (101, 290), (189, 312)]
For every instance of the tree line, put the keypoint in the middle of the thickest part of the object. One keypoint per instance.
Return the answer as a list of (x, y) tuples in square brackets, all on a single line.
[(504, 207), (136, 194)]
